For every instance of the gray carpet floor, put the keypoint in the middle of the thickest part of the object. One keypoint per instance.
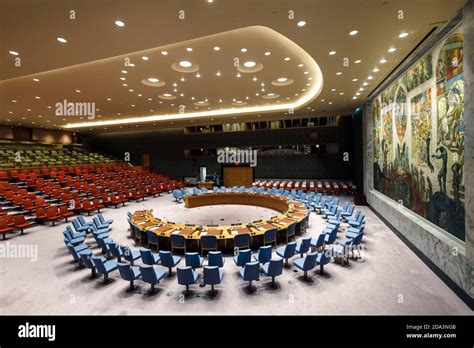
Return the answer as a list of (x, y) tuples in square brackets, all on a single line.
[(388, 279)]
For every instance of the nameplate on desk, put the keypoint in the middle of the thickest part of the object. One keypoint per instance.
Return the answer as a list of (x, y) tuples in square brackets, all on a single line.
[(234, 232), (261, 228), (203, 233), (176, 232)]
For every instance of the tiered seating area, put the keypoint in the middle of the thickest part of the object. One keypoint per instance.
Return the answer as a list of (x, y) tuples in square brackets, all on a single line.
[(329, 187), (47, 195), (28, 155)]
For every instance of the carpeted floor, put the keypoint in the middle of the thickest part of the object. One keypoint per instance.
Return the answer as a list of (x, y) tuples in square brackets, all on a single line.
[(389, 279)]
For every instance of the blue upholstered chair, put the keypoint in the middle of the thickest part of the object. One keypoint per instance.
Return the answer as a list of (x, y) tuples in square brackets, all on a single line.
[(73, 239), (242, 241), (151, 276), (187, 276), (99, 225), (208, 242), (104, 220), (79, 227), (330, 234), (306, 263), (215, 258), (129, 273), (115, 250), (178, 241), (303, 246), (270, 236), (264, 254), (250, 272), (243, 257), (152, 239), (287, 251), (149, 257), (168, 260), (130, 255), (323, 259), (290, 231), (86, 258), (274, 268), (193, 260), (318, 243), (75, 250), (102, 241), (212, 276), (103, 266)]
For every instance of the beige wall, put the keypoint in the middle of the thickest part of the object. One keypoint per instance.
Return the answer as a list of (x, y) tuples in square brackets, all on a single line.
[(52, 136), (6, 132)]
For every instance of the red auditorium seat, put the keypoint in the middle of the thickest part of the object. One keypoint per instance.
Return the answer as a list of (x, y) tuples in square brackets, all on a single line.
[(65, 213), (52, 214), (21, 223), (4, 228), (40, 215)]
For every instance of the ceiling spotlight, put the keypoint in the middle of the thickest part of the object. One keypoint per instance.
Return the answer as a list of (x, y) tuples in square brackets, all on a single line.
[(175, 84), (109, 99), (332, 53), (287, 59), (354, 80), (376, 70), (365, 84), (37, 98), (153, 80), (383, 61), (354, 97), (403, 34), (218, 73), (300, 65), (370, 77), (166, 95), (217, 48), (119, 24), (36, 80), (189, 49), (123, 78), (165, 53), (238, 75), (78, 91), (333, 90), (282, 79), (391, 49), (182, 79), (60, 39), (341, 93), (301, 23), (353, 32), (268, 53), (243, 50), (198, 75), (124, 71), (357, 61), (306, 72), (13, 53), (185, 64), (145, 58), (339, 73), (124, 84), (250, 64)]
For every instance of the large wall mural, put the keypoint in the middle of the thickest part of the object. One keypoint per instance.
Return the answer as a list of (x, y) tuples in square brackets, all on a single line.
[(418, 144)]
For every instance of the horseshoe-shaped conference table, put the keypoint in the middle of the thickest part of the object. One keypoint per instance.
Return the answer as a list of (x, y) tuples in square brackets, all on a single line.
[(291, 211)]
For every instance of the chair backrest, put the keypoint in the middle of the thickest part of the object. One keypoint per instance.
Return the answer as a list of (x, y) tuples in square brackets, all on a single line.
[(211, 275), (244, 257), (193, 260), (115, 250), (19, 219), (208, 242), (166, 258), (270, 235), (152, 237), (185, 275), (215, 258), (251, 271), (125, 271), (276, 267), (324, 258), (290, 230), (99, 264), (242, 240), (265, 254), (320, 241), (178, 241), (86, 260), (310, 260), (148, 274), (305, 244), (289, 250), (147, 256)]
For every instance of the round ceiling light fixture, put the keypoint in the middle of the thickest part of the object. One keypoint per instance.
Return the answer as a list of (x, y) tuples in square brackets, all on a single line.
[(282, 81), (167, 96), (250, 64), (185, 66), (250, 67), (120, 24)]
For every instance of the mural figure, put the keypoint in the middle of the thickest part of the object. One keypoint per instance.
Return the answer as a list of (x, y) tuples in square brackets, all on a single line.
[(443, 156)]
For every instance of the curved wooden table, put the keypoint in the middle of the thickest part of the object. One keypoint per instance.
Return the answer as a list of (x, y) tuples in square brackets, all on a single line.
[(291, 211)]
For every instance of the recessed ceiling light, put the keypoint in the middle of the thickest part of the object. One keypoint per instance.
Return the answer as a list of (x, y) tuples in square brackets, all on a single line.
[(282, 79), (175, 84), (210, 1), (323, 100), (150, 99), (403, 34), (358, 93), (60, 39), (353, 32), (341, 93), (339, 73), (354, 97), (310, 78), (217, 48), (287, 59), (392, 49), (78, 91), (198, 75), (268, 53), (376, 70), (370, 77), (13, 101), (119, 24), (383, 61), (124, 84), (357, 61), (300, 65), (165, 53), (218, 73), (189, 49), (301, 23), (123, 78), (37, 97), (166, 95), (185, 64), (330, 103), (36, 80), (306, 72), (131, 64), (365, 84), (238, 75), (332, 53), (255, 79), (182, 79), (250, 64), (145, 58), (361, 89), (175, 90), (109, 99), (124, 71), (354, 80), (243, 50), (13, 53), (333, 90), (153, 79)]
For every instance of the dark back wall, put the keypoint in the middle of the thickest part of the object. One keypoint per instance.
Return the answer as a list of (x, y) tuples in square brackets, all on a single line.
[(166, 150)]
